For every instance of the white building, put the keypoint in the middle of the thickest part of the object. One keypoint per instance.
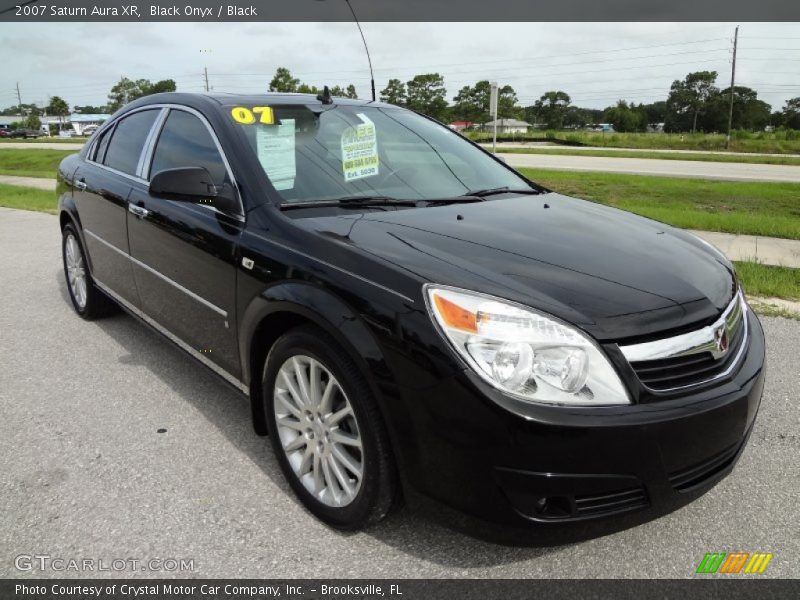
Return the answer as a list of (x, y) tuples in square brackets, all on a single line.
[(507, 126)]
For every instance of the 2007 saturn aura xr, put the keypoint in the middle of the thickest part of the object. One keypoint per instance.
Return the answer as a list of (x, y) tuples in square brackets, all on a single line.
[(412, 318)]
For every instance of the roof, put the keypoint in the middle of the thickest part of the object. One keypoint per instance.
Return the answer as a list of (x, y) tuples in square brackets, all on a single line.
[(509, 123), (78, 118), (280, 97)]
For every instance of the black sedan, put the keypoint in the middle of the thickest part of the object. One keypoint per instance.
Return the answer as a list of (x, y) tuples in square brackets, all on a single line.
[(413, 319)]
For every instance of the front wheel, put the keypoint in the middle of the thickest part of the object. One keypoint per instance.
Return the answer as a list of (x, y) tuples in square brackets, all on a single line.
[(326, 430)]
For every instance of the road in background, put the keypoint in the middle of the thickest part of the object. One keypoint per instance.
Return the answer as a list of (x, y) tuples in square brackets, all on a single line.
[(564, 147), (654, 166), (86, 473)]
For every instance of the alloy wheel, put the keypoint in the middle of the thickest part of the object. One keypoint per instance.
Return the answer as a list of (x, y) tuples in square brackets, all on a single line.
[(318, 431), (76, 271)]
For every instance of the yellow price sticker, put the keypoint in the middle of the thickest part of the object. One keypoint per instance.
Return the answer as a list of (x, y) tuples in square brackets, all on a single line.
[(247, 116)]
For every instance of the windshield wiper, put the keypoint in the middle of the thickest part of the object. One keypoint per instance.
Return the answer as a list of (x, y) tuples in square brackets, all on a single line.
[(350, 202), (501, 190)]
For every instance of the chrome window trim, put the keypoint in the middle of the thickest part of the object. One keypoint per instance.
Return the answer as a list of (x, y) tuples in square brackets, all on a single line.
[(148, 159), (148, 149), (113, 124), (240, 385), (696, 342), (175, 284), (149, 143)]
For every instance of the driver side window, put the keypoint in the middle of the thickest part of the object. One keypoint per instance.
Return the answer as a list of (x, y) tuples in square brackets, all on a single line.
[(185, 142)]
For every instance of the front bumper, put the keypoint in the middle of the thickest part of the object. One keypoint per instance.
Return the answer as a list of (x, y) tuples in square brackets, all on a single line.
[(572, 473)]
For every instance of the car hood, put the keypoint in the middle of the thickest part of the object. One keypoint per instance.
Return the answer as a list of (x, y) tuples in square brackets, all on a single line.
[(615, 274)]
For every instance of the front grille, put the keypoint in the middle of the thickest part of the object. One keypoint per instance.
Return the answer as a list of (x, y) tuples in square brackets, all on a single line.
[(693, 358), (610, 503), (690, 369), (688, 478)]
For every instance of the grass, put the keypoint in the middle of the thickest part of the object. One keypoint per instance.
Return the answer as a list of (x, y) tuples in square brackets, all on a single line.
[(779, 142), (13, 196), (768, 281), (54, 139), (31, 163), (775, 159), (768, 209), (758, 279)]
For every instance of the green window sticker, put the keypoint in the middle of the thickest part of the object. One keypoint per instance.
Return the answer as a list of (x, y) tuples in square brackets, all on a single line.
[(360, 150)]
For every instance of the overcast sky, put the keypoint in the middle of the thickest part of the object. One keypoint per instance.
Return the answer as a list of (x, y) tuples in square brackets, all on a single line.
[(596, 63)]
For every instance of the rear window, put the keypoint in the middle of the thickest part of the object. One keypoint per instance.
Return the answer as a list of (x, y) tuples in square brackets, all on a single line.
[(128, 139)]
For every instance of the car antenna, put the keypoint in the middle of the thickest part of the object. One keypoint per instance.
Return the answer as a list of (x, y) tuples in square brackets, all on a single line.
[(325, 96)]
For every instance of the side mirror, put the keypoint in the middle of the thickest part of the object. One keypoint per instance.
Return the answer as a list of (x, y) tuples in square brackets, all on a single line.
[(501, 158), (193, 184)]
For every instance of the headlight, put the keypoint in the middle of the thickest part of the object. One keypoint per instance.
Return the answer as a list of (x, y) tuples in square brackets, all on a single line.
[(523, 352)]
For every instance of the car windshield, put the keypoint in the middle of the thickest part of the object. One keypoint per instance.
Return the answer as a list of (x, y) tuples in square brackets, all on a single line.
[(318, 153)]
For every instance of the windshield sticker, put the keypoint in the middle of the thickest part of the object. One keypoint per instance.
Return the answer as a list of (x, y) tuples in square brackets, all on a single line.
[(248, 116), (360, 150), (275, 147)]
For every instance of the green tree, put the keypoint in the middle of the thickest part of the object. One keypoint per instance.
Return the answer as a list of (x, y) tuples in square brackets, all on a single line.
[(283, 81), (655, 112), (426, 94), (58, 107), (688, 99), (165, 85), (394, 93), (32, 121), (351, 91), (550, 109), (625, 118), (749, 112), (472, 103), (304, 88), (791, 113), (124, 91), (127, 90)]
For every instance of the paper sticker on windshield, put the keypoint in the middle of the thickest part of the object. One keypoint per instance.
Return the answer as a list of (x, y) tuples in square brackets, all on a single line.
[(256, 114), (275, 147), (360, 150)]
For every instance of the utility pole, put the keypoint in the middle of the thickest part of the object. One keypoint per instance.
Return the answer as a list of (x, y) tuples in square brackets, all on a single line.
[(493, 93), (733, 81), (205, 73), (19, 99)]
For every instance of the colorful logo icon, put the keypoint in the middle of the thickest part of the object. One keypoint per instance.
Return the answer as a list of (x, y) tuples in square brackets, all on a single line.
[(734, 562)]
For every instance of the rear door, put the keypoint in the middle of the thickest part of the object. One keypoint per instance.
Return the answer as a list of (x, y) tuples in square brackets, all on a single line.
[(102, 185), (184, 254)]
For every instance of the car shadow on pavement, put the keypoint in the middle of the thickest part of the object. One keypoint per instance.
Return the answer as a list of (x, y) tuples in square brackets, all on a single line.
[(417, 532)]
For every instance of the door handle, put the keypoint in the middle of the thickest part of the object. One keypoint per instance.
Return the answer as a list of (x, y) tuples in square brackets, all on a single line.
[(139, 211), (81, 184)]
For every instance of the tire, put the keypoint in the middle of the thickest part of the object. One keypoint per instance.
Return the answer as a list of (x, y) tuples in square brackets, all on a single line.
[(313, 442), (88, 301)]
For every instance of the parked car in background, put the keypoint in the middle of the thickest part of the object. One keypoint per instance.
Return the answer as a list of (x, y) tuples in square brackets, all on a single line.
[(25, 133), (89, 130), (412, 318)]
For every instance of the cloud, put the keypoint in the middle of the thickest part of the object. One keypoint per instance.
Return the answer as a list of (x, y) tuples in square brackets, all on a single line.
[(596, 63)]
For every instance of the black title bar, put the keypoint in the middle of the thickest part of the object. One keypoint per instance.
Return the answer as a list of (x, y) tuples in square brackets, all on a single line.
[(400, 10), (709, 588)]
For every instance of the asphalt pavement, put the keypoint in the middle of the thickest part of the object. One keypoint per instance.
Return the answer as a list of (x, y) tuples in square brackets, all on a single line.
[(86, 473)]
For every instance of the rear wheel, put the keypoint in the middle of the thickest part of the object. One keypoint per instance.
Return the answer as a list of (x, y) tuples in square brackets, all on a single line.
[(88, 301), (326, 430)]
